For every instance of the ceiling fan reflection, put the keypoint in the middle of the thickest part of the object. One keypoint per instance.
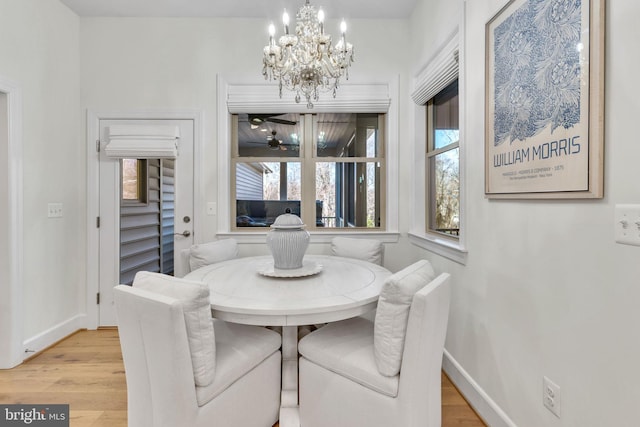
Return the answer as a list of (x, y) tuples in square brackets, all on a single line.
[(255, 120), (275, 143)]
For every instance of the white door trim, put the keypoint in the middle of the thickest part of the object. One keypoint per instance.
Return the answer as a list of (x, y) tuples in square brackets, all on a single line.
[(93, 185), (11, 298)]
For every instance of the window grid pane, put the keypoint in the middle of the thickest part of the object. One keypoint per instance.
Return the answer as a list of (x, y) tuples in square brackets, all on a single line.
[(443, 162), (445, 192), (269, 135), (348, 194), (265, 190), (347, 135)]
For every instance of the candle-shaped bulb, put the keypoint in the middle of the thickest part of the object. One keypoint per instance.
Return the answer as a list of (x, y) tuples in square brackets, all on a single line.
[(343, 42), (321, 20), (272, 32), (285, 21)]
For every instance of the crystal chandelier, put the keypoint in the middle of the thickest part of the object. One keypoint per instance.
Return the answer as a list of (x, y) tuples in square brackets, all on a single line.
[(306, 63)]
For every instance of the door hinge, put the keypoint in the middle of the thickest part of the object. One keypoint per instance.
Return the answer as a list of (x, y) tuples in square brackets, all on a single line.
[(97, 222), (97, 145), (98, 298)]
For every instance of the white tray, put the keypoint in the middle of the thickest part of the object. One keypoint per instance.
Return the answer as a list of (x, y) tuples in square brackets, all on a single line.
[(309, 268)]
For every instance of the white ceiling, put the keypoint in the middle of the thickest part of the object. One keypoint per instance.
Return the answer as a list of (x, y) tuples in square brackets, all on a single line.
[(334, 9)]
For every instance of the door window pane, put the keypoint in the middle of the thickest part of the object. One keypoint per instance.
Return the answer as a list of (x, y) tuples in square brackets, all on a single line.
[(133, 181), (130, 190), (146, 229)]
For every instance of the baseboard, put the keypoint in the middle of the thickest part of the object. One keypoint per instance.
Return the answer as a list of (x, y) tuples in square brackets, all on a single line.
[(479, 400), (54, 334)]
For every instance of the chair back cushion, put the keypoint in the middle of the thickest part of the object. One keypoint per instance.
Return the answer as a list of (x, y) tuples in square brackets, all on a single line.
[(182, 268), (212, 252), (194, 298), (393, 311), (365, 249)]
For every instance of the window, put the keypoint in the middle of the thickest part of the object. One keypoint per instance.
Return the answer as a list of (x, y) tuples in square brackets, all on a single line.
[(443, 162), (328, 168), (438, 203)]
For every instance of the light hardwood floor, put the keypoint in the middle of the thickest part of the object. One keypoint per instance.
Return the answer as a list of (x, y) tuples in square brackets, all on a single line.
[(85, 371)]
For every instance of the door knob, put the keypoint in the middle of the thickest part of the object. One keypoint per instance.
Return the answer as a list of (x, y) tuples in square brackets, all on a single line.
[(185, 233)]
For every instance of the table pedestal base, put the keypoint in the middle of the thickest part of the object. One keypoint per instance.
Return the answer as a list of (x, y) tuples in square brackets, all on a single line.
[(289, 410)]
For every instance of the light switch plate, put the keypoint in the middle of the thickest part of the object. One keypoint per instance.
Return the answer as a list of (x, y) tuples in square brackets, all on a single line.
[(627, 224), (211, 208), (54, 210)]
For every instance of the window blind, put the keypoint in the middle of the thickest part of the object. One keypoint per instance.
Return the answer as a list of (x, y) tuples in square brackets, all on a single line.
[(143, 142), (351, 98), (439, 72)]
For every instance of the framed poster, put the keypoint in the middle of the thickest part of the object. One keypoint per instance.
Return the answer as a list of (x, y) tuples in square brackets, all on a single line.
[(544, 100)]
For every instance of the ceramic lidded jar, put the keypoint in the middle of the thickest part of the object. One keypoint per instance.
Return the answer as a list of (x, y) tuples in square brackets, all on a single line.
[(288, 241)]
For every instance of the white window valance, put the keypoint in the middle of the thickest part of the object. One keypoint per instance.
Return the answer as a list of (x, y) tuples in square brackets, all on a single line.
[(439, 72), (143, 142), (350, 98)]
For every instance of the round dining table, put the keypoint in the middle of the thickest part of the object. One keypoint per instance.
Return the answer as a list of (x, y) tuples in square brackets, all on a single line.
[(326, 289)]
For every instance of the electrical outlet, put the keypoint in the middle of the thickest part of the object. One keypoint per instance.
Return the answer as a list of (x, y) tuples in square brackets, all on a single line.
[(551, 396), (54, 210)]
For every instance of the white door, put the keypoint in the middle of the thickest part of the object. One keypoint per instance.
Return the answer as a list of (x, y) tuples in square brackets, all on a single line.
[(152, 199)]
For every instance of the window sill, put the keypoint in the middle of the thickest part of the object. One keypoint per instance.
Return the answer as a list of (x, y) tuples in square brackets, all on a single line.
[(443, 247), (316, 236)]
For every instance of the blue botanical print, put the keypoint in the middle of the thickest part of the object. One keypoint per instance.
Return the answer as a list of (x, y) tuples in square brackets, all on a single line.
[(537, 69)]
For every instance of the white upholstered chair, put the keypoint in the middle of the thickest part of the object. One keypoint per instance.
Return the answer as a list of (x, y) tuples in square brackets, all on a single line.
[(359, 373), (203, 254), (184, 368), (365, 249)]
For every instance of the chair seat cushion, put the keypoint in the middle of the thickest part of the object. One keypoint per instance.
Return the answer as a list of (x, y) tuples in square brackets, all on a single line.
[(240, 348), (212, 252), (392, 314), (346, 348)]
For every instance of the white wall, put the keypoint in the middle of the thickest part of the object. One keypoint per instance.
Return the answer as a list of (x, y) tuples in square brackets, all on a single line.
[(4, 190), (39, 52), (172, 63), (546, 291)]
